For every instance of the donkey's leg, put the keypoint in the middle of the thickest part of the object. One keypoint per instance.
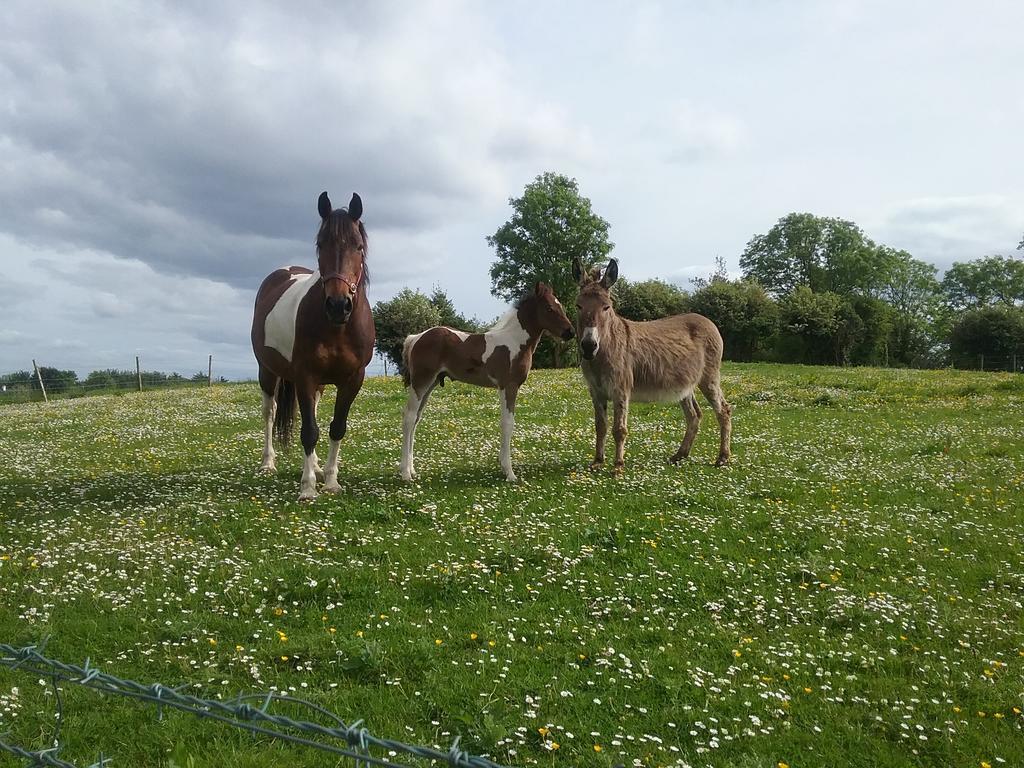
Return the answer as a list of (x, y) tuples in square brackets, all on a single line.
[(508, 425), (339, 425), (316, 461), (310, 435), (268, 386), (619, 431), (600, 427), (712, 389), (691, 411), (410, 420)]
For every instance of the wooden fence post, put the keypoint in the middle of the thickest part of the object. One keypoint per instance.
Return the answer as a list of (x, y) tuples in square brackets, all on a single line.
[(209, 372), (138, 372), (39, 378)]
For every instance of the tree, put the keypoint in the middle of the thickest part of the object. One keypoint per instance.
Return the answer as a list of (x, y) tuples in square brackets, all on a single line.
[(744, 313), (551, 223), (449, 316), (985, 282), (916, 300), (648, 300), (825, 254), (56, 380), (820, 328), (997, 332), (408, 312)]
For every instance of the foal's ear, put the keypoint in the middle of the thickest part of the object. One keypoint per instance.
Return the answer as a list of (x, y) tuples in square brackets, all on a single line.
[(577, 268), (611, 273), (324, 205), (355, 207)]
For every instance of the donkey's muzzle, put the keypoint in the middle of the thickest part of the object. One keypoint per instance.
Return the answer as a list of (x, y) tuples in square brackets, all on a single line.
[(339, 309), (567, 334), (589, 349)]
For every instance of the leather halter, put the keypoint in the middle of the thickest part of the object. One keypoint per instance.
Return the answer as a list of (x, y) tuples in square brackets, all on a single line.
[(352, 283)]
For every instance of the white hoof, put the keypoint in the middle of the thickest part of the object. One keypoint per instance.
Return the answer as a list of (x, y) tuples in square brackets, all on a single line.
[(309, 495), (408, 475), (332, 487), (511, 478), (268, 468)]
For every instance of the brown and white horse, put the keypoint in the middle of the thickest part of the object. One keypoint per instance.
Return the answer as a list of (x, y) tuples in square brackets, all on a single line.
[(315, 328), (501, 357), (656, 361)]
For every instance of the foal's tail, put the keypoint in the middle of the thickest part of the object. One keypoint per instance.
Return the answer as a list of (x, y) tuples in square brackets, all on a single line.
[(284, 420), (406, 351)]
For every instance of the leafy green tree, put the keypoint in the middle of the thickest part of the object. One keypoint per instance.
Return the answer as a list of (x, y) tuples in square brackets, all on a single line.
[(820, 328), (408, 312), (915, 296), (744, 313), (997, 332), (107, 379), (825, 254), (648, 300), (871, 346), (56, 380), (985, 282), (18, 380), (449, 315), (551, 223)]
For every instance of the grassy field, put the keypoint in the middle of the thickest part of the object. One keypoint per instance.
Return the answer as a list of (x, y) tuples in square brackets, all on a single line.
[(848, 592)]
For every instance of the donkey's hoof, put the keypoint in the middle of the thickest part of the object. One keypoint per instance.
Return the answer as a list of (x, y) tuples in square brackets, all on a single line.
[(332, 487), (595, 464), (675, 458), (511, 478), (619, 468), (408, 476), (721, 461), (269, 468)]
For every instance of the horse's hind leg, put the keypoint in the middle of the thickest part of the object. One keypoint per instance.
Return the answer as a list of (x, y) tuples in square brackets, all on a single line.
[(508, 425), (691, 412), (418, 394), (268, 386), (712, 389), (339, 425)]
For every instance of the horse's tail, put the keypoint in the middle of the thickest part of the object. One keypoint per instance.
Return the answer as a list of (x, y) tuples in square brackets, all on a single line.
[(284, 420), (406, 352)]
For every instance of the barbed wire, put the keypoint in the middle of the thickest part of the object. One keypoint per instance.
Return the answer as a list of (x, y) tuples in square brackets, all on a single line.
[(235, 712)]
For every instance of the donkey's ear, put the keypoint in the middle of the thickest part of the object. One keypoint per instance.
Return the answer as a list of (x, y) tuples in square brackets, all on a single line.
[(538, 289), (324, 205), (611, 273), (577, 269), (355, 207)]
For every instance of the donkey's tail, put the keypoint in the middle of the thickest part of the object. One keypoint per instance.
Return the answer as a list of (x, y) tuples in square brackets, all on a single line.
[(284, 420), (406, 351)]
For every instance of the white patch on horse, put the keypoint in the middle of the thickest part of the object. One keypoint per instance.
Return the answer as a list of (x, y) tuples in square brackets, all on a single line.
[(461, 334), (507, 332), (279, 327), (508, 425)]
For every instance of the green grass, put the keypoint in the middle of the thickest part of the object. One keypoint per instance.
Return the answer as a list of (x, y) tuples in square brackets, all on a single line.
[(848, 592)]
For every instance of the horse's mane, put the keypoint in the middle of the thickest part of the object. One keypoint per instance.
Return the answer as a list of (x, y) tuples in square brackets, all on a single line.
[(337, 226)]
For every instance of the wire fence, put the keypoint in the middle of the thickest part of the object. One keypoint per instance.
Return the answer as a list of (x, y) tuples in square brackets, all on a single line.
[(352, 741)]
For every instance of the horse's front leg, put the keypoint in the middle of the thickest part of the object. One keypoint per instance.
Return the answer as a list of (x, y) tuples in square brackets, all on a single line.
[(619, 431), (310, 434), (317, 469), (339, 425), (508, 425), (600, 428)]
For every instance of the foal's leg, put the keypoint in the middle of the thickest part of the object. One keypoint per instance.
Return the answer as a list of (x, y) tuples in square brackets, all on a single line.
[(268, 386), (691, 411), (310, 435), (410, 420), (346, 394), (600, 427), (712, 389), (619, 431), (508, 425), (317, 469)]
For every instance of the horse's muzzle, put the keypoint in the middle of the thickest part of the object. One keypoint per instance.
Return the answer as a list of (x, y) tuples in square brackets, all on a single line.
[(339, 309), (567, 334)]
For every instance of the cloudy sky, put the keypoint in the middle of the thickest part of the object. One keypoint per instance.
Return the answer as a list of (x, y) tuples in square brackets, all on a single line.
[(158, 160)]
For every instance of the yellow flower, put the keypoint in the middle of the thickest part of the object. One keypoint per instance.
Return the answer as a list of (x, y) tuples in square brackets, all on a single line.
[(597, 747), (542, 731), (239, 648), (985, 764), (736, 653), (438, 641), (555, 745), (211, 641), (490, 643), (808, 690), (473, 635), (783, 765), (359, 633)]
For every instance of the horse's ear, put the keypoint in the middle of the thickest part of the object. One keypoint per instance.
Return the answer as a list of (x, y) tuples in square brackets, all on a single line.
[(611, 273), (538, 289), (324, 205), (577, 269), (355, 207)]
